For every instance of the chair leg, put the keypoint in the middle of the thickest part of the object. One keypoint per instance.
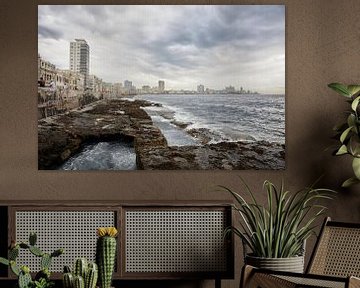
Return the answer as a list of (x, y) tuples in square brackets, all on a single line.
[(217, 282), (246, 274), (250, 278)]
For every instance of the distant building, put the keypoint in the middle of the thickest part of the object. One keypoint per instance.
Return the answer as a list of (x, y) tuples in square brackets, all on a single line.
[(46, 70), (161, 87), (129, 89), (230, 89), (80, 58), (127, 84), (200, 88), (146, 89), (117, 89), (95, 85)]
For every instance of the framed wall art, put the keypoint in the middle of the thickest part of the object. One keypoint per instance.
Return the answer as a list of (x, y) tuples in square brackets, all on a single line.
[(168, 87)]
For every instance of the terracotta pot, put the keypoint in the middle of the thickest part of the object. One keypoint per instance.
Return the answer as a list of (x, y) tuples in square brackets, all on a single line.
[(291, 264)]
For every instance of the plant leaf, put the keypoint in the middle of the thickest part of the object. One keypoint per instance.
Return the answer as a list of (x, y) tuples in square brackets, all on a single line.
[(345, 134), (340, 88), (355, 103), (356, 167), (353, 89), (351, 120), (354, 145), (4, 261), (342, 150), (349, 182)]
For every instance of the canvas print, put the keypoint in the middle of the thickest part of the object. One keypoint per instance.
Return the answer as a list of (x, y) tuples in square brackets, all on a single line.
[(168, 87)]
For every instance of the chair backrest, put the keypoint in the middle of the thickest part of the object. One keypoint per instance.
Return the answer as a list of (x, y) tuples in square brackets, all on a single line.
[(337, 251)]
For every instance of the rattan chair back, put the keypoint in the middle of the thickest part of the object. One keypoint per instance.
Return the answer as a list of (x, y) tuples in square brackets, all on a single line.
[(337, 252)]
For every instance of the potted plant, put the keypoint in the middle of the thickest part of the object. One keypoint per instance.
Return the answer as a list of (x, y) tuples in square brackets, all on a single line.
[(42, 278), (349, 132), (276, 233), (84, 274)]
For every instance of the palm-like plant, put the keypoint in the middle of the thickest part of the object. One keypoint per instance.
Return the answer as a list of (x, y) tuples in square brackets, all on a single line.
[(280, 229), (349, 132)]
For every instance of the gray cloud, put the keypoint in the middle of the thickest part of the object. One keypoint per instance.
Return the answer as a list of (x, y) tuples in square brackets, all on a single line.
[(184, 45), (48, 32)]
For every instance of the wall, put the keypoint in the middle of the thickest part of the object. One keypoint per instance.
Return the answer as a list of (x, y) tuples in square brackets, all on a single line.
[(322, 46)]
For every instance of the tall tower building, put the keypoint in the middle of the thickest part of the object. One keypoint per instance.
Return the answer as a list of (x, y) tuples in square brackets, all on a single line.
[(200, 88), (161, 87), (80, 58)]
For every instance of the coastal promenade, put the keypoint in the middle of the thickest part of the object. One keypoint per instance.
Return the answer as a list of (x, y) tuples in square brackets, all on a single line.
[(62, 136)]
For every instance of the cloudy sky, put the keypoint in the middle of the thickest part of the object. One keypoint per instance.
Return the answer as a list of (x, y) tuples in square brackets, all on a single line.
[(217, 46)]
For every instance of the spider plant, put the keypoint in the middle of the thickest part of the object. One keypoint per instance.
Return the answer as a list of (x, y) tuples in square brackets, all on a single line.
[(279, 229)]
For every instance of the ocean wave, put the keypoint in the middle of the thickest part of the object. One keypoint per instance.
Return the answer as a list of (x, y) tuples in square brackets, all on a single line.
[(224, 118)]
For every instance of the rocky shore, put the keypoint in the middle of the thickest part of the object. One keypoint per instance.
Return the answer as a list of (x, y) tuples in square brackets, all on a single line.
[(62, 136)]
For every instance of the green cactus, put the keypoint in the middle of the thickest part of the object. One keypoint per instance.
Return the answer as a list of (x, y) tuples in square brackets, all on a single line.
[(57, 252), (45, 261), (4, 261), (68, 280), (43, 274), (32, 238), (80, 267), (36, 251), (67, 269), (105, 258), (24, 280), (87, 272), (24, 245), (91, 276), (42, 278), (79, 282), (13, 253), (14, 268)]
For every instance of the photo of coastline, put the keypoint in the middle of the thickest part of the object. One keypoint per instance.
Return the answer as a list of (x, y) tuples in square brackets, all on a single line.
[(161, 87)]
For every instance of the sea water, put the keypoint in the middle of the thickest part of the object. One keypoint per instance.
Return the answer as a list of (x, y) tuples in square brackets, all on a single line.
[(115, 155), (227, 117)]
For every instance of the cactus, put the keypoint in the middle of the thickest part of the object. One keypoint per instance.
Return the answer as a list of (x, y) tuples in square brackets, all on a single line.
[(80, 267), (68, 280), (45, 261), (90, 272), (91, 276), (24, 280), (44, 273), (4, 261), (42, 278), (14, 268), (36, 251), (67, 269), (32, 238), (79, 282), (57, 252), (105, 254), (13, 253)]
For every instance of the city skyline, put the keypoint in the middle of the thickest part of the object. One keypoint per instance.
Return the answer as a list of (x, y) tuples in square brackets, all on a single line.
[(240, 45)]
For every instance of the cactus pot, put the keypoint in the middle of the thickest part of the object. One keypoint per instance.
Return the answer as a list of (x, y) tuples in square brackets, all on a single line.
[(291, 264)]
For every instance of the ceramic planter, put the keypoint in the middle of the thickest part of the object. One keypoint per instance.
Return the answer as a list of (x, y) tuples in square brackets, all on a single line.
[(291, 264)]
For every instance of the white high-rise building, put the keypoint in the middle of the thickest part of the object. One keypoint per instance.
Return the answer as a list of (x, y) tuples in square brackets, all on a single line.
[(161, 86), (80, 58)]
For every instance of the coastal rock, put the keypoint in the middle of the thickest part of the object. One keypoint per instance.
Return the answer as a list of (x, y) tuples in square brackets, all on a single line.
[(62, 136), (224, 156)]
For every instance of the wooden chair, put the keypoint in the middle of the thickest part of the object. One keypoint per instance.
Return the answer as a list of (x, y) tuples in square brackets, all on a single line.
[(334, 263)]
